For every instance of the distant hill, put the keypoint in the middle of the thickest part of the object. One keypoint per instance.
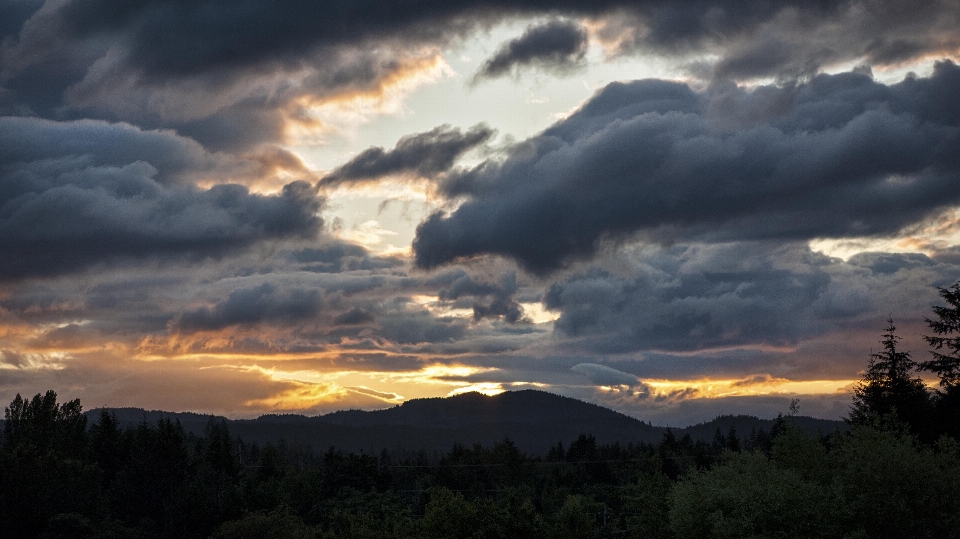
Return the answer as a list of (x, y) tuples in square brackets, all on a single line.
[(534, 420), (746, 424)]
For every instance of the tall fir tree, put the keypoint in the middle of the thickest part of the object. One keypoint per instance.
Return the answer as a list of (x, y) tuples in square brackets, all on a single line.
[(946, 343), (945, 362), (889, 388)]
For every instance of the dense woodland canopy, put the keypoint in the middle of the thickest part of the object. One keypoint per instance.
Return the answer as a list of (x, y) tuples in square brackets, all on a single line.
[(895, 474)]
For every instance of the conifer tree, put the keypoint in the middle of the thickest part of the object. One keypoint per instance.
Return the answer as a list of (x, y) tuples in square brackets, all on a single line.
[(946, 342), (888, 389), (946, 359)]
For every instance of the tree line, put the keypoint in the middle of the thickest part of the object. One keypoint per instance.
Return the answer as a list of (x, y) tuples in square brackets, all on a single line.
[(891, 388), (895, 474)]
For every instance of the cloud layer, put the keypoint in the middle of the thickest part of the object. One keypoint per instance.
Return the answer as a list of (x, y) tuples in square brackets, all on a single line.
[(839, 156), (78, 193), (162, 215)]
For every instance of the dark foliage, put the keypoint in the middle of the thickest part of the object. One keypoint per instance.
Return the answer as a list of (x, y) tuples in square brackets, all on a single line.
[(155, 480), (890, 389), (945, 362)]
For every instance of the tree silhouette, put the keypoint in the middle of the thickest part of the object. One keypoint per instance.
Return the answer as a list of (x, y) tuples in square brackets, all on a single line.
[(42, 468), (946, 359), (946, 342), (887, 389), (44, 425)]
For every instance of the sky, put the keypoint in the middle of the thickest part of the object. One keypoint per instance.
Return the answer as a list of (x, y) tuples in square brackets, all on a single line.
[(675, 209)]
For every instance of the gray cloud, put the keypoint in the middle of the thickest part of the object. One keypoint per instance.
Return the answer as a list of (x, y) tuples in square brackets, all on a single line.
[(557, 46), (75, 194), (12, 358), (603, 375), (424, 155), (500, 304), (724, 309), (354, 317), (231, 77), (847, 157), (246, 306), (334, 257), (98, 144), (783, 39)]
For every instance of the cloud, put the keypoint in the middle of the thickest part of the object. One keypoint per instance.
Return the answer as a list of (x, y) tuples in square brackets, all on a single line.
[(237, 78), (557, 46), (743, 304), (501, 304), (423, 155), (602, 375), (788, 40), (354, 317), (12, 358), (840, 156), (87, 144), (247, 306), (80, 193)]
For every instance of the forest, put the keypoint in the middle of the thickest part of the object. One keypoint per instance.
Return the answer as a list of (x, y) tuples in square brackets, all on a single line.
[(894, 474)]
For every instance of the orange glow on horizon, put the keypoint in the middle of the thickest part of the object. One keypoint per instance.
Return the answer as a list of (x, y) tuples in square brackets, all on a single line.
[(718, 388)]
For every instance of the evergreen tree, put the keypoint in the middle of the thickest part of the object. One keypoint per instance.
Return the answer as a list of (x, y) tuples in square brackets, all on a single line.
[(888, 388), (946, 345), (106, 445), (45, 425), (946, 358)]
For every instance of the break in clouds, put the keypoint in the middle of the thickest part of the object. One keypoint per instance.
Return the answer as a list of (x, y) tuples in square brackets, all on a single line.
[(160, 234)]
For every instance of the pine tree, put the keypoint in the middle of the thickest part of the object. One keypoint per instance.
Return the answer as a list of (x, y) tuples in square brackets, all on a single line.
[(947, 339), (887, 389), (946, 359)]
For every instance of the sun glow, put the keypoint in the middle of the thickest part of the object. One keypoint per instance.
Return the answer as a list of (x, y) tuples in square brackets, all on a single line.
[(753, 386)]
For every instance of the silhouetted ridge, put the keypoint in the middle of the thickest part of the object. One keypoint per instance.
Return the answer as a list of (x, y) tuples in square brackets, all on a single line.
[(534, 420), (527, 406)]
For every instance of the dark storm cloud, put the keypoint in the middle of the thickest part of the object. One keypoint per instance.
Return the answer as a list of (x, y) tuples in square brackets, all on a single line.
[(846, 156), (354, 317), (948, 255), (224, 73), (730, 297), (187, 37), (233, 75), (334, 257), (248, 306), (500, 304), (424, 155), (556, 46), (415, 327), (26, 142), (74, 194), (14, 13), (783, 39)]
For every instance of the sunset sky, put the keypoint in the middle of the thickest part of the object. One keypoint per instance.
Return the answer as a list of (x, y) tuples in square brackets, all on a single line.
[(676, 209)]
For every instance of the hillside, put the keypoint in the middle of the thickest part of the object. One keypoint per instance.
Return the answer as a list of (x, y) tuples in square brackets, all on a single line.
[(533, 420)]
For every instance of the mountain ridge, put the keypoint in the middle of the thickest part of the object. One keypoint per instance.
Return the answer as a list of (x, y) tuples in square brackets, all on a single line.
[(533, 420)]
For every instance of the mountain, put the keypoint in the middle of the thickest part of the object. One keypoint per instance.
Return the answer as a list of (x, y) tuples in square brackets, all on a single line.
[(746, 424), (534, 420)]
